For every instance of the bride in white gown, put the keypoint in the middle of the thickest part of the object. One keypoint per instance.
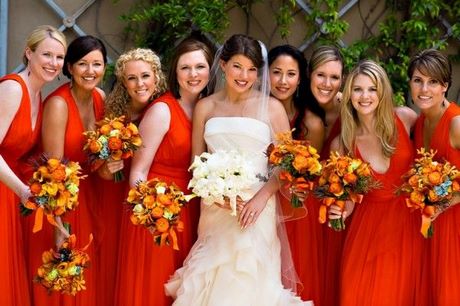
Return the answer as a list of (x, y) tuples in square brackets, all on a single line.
[(237, 260)]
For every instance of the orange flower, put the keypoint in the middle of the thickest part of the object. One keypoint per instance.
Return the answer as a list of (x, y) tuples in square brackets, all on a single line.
[(164, 199), (53, 163), (117, 125), (95, 146), (58, 175), (334, 178), (435, 178), (35, 188), (149, 201), (115, 143), (363, 170), (350, 178), (336, 189), (105, 129), (429, 210), (417, 197), (432, 196), (127, 155), (300, 162), (157, 212), (414, 180), (455, 186), (162, 225), (116, 155)]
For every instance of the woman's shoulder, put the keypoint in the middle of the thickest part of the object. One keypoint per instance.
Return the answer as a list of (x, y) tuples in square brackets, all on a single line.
[(407, 115)]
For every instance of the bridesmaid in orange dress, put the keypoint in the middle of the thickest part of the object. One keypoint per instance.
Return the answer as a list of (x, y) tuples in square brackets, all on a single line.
[(21, 109), (438, 128), (381, 255), (326, 73), (69, 111), (289, 84), (166, 132)]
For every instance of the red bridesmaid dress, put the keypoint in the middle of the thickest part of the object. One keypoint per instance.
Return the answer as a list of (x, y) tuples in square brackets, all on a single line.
[(143, 267), (81, 220), (18, 141), (381, 255), (305, 239), (443, 262)]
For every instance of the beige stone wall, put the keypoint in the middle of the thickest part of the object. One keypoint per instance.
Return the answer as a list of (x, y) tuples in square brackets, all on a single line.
[(101, 20)]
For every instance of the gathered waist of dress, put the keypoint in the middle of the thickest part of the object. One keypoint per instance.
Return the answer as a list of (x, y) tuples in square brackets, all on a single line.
[(170, 171)]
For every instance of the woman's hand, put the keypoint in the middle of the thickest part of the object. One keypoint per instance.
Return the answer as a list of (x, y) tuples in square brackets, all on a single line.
[(24, 194), (110, 167), (60, 233), (251, 210), (239, 204), (337, 212)]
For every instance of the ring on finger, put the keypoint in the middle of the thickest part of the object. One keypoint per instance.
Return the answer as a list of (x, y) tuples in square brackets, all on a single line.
[(252, 214)]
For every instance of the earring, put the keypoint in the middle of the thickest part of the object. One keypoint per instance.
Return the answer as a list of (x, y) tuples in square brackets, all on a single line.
[(443, 103), (28, 72), (297, 92)]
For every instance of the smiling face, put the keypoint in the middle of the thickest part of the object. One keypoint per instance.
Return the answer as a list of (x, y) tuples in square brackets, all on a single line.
[(240, 73), (284, 77), (47, 60), (139, 80), (364, 96), (325, 81), (192, 72), (88, 71), (426, 91)]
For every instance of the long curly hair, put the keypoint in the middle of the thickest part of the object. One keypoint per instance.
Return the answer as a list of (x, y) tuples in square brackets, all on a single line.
[(385, 126), (118, 101)]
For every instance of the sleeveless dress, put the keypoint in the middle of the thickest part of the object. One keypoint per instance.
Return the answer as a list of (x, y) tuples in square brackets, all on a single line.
[(81, 220), (144, 267), (381, 256), (306, 242), (443, 261), (18, 141), (332, 241), (228, 265)]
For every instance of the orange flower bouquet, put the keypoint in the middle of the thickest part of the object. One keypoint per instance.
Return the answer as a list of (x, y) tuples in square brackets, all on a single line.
[(157, 205), (63, 270), (343, 179), (298, 163), (430, 186), (54, 187), (113, 139)]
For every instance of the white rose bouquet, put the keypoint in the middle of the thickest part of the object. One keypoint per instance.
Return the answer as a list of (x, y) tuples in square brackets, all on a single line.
[(223, 176)]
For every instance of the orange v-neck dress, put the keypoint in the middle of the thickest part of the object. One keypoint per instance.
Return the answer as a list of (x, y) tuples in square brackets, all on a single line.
[(143, 266), (81, 220), (381, 256), (305, 238), (443, 260), (18, 141)]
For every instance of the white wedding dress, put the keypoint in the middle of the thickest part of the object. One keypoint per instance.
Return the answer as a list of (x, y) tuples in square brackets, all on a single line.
[(229, 266)]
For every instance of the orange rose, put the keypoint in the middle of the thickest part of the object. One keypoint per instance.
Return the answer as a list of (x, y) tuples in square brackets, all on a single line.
[(35, 188), (413, 180), (115, 143), (417, 197), (105, 129), (432, 196), (300, 163), (117, 125), (58, 175), (162, 225), (350, 178), (95, 146), (336, 189), (157, 212), (164, 199), (342, 164), (334, 178), (429, 210), (435, 178), (116, 155), (149, 201)]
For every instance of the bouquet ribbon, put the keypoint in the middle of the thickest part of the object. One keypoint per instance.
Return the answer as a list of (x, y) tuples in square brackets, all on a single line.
[(172, 234), (38, 221)]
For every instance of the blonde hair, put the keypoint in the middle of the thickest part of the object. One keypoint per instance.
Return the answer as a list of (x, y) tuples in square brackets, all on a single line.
[(118, 101), (385, 126), (40, 34)]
